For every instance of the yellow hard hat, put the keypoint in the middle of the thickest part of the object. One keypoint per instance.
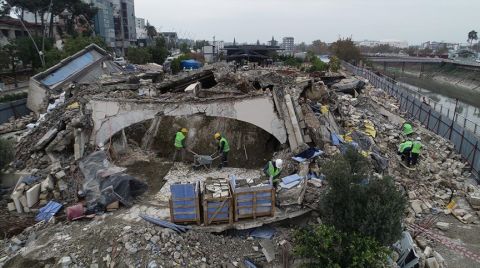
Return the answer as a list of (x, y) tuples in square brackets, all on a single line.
[(217, 135), (184, 130)]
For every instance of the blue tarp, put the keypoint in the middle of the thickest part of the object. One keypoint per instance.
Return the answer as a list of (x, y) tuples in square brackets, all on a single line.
[(190, 64), (291, 178), (307, 154), (69, 69), (48, 211)]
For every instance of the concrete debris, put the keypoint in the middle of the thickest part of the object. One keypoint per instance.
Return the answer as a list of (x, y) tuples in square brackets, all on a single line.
[(444, 226), (16, 124)]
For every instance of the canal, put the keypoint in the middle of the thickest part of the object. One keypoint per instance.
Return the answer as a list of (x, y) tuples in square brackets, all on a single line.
[(444, 94)]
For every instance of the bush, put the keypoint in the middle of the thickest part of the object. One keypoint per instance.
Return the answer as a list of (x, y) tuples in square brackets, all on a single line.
[(325, 246), (7, 152), (355, 203), (318, 65), (13, 97), (334, 64)]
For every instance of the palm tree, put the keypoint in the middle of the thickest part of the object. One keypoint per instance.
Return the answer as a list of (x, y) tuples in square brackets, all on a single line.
[(472, 36)]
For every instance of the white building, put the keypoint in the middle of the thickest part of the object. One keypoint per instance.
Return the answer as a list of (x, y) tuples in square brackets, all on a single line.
[(140, 28), (390, 42)]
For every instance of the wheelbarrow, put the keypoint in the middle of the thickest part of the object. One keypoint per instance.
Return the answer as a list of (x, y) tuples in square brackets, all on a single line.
[(202, 160)]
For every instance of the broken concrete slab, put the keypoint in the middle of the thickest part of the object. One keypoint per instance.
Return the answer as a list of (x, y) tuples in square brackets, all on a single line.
[(431, 263), (268, 249), (33, 195), (444, 226), (46, 139)]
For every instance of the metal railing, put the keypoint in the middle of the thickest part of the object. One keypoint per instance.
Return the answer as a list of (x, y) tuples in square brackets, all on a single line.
[(466, 142)]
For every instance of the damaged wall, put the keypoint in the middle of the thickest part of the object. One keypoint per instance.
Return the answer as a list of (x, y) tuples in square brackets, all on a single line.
[(110, 116)]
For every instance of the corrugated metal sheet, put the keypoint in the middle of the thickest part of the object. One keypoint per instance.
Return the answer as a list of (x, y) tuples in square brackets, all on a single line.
[(71, 68)]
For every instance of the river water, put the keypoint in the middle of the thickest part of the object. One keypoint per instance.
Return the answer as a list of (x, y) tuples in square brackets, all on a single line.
[(446, 94)]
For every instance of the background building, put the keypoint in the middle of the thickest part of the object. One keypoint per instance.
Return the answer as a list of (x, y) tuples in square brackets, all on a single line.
[(288, 45)]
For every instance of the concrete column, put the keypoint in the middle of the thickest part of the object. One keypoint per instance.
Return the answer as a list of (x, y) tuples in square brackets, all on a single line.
[(293, 119), (79, 146)]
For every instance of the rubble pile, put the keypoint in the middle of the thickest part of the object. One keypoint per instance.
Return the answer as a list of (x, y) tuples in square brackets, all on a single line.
[(16, 124)]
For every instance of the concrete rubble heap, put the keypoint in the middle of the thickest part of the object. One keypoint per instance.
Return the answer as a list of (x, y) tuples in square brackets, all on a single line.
[(312, 109)]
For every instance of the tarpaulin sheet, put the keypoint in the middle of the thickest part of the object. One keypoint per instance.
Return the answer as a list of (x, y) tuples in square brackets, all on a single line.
[(69, 69), (307, 154), (48, 211), (101, 191), (184, 201)]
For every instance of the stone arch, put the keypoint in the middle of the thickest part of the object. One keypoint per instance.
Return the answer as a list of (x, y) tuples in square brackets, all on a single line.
[(111, 116)]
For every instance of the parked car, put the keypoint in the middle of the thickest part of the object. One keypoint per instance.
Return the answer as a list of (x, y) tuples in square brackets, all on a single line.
[(245, 67)]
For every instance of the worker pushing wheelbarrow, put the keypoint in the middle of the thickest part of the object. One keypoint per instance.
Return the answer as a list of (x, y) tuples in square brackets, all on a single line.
[(203, 160)]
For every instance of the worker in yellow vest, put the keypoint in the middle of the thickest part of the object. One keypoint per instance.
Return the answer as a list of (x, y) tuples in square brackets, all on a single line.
[(223, 149), (179, 144), (273, 169), (416, 149), (404, 150)]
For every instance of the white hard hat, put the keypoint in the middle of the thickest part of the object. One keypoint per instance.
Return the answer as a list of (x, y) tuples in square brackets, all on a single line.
[(419, 139), (279, 163)]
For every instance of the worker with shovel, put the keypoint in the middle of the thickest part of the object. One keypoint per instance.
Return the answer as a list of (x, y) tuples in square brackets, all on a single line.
[(223, 149), (179, 144)]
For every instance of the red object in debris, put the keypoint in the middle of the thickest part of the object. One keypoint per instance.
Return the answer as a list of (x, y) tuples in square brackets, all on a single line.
[(75, 212)]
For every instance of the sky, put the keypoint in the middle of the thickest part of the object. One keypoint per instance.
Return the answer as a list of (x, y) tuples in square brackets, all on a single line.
[(415, 21)]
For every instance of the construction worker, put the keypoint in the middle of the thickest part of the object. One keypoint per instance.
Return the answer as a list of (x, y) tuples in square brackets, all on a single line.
[(179, 144), (405, 149), (407, 129), (223, 149), (273, 169), (416, 149)]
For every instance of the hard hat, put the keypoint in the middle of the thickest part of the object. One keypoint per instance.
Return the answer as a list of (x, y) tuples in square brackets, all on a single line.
[(419, 139), (217, 135), (279, 163), (184, 130)]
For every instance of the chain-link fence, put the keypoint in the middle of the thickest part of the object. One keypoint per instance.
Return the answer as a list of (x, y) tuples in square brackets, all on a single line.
[(462, 132)]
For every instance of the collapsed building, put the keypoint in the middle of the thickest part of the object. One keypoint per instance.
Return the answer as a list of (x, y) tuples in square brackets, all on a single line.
[(102, 141)]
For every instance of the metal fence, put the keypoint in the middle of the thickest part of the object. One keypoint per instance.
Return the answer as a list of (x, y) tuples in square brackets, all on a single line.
[(14, 109), (466, 142)]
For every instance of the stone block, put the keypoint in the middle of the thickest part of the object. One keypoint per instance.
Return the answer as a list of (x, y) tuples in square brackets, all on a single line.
[(469, 218), (11, 206), (460, 212), (427, 252), (416, 206), (60, 175), (444, 226), (431, 263), (47, 138), (23, 201), (33, 195)]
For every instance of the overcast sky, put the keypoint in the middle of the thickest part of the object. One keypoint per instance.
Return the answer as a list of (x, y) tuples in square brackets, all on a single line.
[(415, 21)]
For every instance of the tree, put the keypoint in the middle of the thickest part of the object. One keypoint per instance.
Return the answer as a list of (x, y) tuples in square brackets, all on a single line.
[(199, 44), (139, 55), (346, 50), (334, 64), (325, 246), (354, 203), (159, 51), (302, 47), (184, 48), (151, 31), (74, 44), (176, 64), (472, 36), (318, 47)]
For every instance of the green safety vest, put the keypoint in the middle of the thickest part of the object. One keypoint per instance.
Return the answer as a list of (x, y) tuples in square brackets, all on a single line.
[(226, 146), (272, 171), (417, 146), (407, 129), (179, 139), (405, 145)]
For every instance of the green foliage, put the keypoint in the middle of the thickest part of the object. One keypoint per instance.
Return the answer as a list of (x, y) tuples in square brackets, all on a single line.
[(74, 44), (334, 64), (318, 48), (372, 208), (184, 48), (139, 55), (325, 246), (159, 51), (7, 152), (291, 61), (176, 63), (346, 50), (13, 97), (317, 65)]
